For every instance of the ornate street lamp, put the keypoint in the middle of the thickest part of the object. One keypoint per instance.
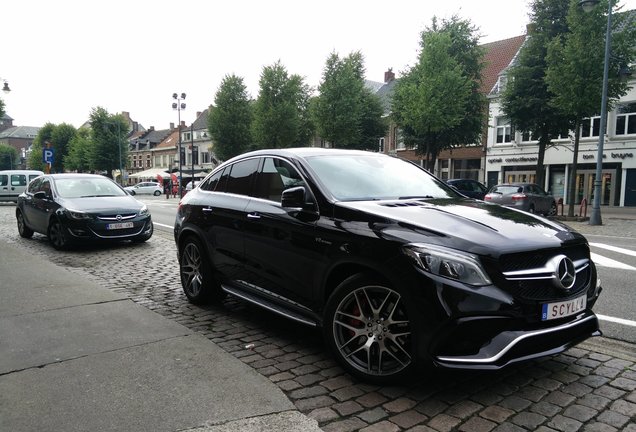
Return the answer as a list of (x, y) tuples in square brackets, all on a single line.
[(595, 215), (5, 87), (178, 105)]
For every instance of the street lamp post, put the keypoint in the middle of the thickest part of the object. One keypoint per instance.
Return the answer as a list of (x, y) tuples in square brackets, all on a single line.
[(595, 215), (5, 86), (178, 105), (121, 171)]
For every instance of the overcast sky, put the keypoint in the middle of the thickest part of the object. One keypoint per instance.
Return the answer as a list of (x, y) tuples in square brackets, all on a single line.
[(62, 58)]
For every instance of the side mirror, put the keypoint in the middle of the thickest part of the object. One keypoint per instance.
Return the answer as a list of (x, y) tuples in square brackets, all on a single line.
[(293, 197), (40, 195)]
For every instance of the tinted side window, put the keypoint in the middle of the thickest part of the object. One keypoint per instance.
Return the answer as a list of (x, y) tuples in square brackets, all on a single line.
[(34, 186), (4, 179), (276, 176), (241, 176), (211, 183)]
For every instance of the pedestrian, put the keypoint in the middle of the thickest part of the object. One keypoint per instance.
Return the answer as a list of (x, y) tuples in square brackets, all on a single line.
[(175, 189), (167, 189)]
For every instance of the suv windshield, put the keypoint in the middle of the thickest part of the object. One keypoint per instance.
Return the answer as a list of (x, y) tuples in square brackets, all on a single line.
[(371, 177)]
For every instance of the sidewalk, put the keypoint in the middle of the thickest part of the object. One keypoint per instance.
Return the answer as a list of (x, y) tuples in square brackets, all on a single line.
[(78, 357)]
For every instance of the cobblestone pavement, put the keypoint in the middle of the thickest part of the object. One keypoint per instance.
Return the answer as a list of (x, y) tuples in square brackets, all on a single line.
[(580, 390)]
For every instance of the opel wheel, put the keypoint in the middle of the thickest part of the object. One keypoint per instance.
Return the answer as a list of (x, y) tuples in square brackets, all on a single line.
[(23, 229), (369, 331), (57, 235)]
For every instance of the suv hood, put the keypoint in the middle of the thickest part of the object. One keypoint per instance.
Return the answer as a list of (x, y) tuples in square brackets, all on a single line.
[(471, 225)]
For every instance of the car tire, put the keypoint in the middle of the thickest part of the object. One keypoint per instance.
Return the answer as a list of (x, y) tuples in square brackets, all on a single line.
[(531, 209), (367, 328), (132, 192), (197, 274), (553, 209), (156, 193), (57, 235), (23, 229)]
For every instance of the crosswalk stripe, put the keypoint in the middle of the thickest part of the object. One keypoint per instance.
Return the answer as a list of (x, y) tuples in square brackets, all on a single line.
[(602, 261), (614, 249), (616, 320)]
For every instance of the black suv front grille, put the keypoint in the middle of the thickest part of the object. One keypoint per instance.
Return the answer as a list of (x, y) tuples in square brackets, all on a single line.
[(529, 289)]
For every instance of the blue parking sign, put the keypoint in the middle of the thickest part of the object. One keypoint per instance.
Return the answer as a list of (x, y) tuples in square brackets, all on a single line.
[(47, 155)]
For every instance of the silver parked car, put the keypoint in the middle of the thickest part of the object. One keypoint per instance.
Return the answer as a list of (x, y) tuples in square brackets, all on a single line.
[(152, 188), (523, 196)]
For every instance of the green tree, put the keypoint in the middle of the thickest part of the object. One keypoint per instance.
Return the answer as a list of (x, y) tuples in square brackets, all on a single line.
[(527, 99), (2, 112), (61, 135), (346, 113), (437, 103), (80, 150), (8, 157), (109, 132), (230, 119), (575, 70), (42, 139), (280, 109)]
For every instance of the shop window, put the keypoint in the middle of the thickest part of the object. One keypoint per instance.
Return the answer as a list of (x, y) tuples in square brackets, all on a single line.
[(626, 119)]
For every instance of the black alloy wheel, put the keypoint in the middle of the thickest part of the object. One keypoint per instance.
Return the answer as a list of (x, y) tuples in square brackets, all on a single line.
[(23, 229), (369, 331), (57, 235), (197, 278), (553, 209)]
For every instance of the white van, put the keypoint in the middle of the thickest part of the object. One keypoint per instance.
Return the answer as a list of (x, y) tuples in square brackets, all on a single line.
[(14, 182)]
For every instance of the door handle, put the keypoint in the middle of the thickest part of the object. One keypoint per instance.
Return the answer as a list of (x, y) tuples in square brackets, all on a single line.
[(253, 216), (207, 210)]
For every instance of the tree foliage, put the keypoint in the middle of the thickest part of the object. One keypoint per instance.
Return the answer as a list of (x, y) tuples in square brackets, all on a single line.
[(79, 156), (575, 69), (230, 118), (2, 109), (280, 112), (8, 157), (437, 102), (108, 135), (346, 113), (526, 99), (40, 142)]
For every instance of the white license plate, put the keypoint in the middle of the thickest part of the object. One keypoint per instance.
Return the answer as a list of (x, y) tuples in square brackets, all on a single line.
[(119, 225), (556, 310)]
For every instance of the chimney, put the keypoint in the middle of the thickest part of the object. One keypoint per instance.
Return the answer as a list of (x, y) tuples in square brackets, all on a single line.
[(182, 124), (389, 76)]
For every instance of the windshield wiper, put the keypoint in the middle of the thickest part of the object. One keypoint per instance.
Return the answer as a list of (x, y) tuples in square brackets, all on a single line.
[(417, 197)]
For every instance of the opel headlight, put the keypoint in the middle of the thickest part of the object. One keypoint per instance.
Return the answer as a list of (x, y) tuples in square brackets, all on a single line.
[(143, 211), (78, 215), (448, 263)]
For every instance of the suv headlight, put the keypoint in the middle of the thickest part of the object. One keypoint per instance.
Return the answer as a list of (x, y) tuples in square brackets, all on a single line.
[(143, 211), (78, 215), (448, 263)]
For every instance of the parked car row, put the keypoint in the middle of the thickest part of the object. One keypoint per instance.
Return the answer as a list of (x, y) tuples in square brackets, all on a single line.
[(528, 197), (399, 269)]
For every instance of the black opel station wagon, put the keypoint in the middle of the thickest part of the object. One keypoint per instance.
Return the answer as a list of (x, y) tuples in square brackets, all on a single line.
[(397, 268)]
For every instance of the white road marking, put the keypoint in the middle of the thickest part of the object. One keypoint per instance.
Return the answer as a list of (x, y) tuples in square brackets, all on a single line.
[(617, 320), (170, 226), (614, 249), (602, 261)]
